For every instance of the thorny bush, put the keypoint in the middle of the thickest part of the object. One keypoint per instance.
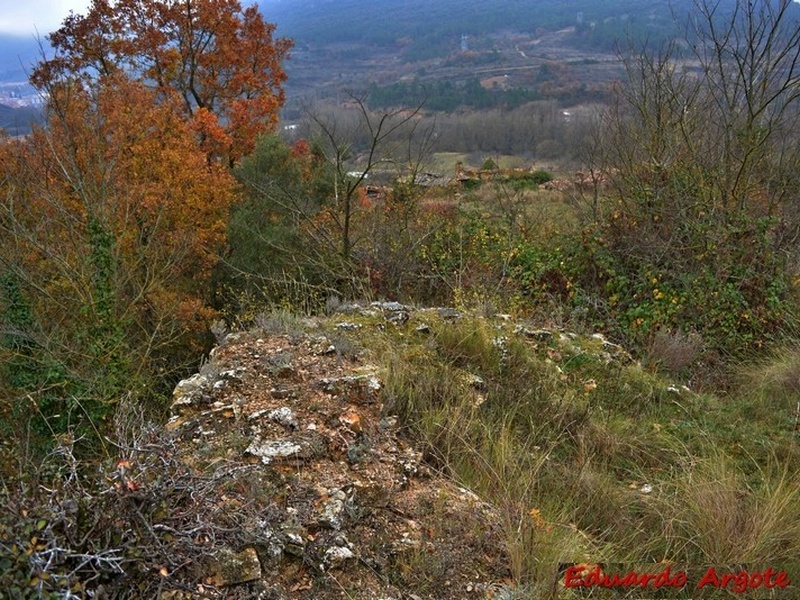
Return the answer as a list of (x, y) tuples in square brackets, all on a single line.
[(129, 527)]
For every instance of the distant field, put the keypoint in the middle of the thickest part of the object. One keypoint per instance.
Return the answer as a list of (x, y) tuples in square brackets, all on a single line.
[(445, 162)]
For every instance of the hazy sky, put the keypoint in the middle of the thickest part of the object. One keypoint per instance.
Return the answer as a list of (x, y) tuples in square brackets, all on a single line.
[(26, 17)]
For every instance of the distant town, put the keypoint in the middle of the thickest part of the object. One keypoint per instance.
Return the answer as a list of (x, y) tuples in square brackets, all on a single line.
[(19, 94)]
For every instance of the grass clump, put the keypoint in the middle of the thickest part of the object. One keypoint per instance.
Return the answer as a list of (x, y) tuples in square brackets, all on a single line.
[(591, 459), (773, 385), (713, 515)]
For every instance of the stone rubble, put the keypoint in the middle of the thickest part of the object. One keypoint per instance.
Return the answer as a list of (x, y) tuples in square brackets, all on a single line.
[(348, 498)]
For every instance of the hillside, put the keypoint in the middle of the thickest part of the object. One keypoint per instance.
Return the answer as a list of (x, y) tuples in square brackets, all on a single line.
[(474, 349), (17, 121), (353, 43), (423, 29), (387, 451)]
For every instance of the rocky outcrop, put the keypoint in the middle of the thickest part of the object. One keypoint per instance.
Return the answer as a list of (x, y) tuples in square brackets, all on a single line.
[(327, 492), (334, 500)]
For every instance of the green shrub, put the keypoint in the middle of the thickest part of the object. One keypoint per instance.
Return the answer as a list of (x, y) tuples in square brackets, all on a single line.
[(738, 299)]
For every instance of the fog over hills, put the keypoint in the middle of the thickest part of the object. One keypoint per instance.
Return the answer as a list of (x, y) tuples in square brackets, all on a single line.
[(17, 53)]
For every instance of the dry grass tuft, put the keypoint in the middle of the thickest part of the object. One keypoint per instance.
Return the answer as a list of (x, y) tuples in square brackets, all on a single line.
[(674, 351), (712, 515)]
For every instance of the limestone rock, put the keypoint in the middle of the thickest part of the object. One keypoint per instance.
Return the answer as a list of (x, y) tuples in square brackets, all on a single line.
[(229, 568), (335, 556), (312, 473), (190, 390), (269, 450)]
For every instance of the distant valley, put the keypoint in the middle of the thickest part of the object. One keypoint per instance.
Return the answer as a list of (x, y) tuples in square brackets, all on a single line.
[(18, 101), (355, 45), (406, 50)]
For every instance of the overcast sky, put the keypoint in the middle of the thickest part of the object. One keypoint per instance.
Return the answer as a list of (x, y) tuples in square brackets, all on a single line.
[(26, 17)]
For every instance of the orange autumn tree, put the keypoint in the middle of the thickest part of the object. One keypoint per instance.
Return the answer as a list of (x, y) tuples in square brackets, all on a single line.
[(111, 219), (222, 60)]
